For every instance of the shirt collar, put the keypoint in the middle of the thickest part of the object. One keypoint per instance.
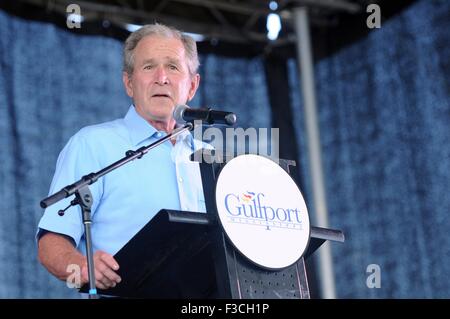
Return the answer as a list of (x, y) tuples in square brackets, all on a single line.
[(140, 130), (138, 127)]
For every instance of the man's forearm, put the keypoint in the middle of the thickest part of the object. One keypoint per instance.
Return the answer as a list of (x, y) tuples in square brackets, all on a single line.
[(56, 252)]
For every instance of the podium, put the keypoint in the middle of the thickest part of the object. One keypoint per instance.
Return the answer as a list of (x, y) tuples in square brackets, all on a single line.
[(187, 255)]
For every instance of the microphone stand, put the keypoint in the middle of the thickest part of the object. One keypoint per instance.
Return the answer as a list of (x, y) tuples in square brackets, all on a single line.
[(83, 196)]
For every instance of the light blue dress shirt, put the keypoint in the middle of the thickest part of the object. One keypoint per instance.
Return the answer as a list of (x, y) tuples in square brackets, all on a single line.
[(127, 198)]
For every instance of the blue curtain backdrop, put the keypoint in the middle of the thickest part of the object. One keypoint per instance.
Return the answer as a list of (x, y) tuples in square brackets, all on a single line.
[(52, 83), (384, 113)]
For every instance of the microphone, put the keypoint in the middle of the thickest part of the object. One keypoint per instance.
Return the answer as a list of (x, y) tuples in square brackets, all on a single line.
[(184, 113)]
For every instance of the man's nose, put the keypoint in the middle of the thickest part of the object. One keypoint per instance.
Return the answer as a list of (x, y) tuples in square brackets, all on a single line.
[(161, 76)]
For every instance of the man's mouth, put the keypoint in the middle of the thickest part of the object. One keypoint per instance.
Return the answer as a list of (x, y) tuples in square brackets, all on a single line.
[(161, 95)]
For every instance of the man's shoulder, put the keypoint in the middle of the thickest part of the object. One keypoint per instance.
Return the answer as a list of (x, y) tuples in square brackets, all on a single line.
[(109, 129)]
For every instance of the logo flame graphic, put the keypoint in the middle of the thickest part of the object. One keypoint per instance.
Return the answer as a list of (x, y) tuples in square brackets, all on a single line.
[(247, 196)]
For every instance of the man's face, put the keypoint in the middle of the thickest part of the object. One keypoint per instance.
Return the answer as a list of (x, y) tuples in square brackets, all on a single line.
[(160, 79)]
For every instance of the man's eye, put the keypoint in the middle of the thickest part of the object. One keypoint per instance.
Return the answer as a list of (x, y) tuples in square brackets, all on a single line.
[(173, 67), (148, 67)]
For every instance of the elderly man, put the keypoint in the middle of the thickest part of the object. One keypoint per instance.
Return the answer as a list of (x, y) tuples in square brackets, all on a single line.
[(160, 72)]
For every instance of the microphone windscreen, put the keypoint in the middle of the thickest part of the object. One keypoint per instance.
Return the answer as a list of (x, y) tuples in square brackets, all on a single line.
[(178, 113), (230, 119)]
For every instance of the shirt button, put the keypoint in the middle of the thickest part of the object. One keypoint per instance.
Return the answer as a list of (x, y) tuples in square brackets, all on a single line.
[(180, 180)]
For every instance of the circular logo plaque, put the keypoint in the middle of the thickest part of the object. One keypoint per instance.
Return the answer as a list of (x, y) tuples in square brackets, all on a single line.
[(262, 211)]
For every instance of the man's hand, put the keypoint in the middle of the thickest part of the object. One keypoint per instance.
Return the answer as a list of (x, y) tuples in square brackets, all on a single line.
[(105, 271)]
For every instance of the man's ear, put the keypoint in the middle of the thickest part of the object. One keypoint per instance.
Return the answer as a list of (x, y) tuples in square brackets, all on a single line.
[(126, 78), (195, 81)]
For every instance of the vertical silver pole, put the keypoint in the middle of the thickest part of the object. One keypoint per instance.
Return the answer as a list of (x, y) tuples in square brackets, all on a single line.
[(320, 204)]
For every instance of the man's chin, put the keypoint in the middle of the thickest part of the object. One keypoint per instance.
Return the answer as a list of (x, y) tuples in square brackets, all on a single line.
[(161, 110), (161, 117)]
